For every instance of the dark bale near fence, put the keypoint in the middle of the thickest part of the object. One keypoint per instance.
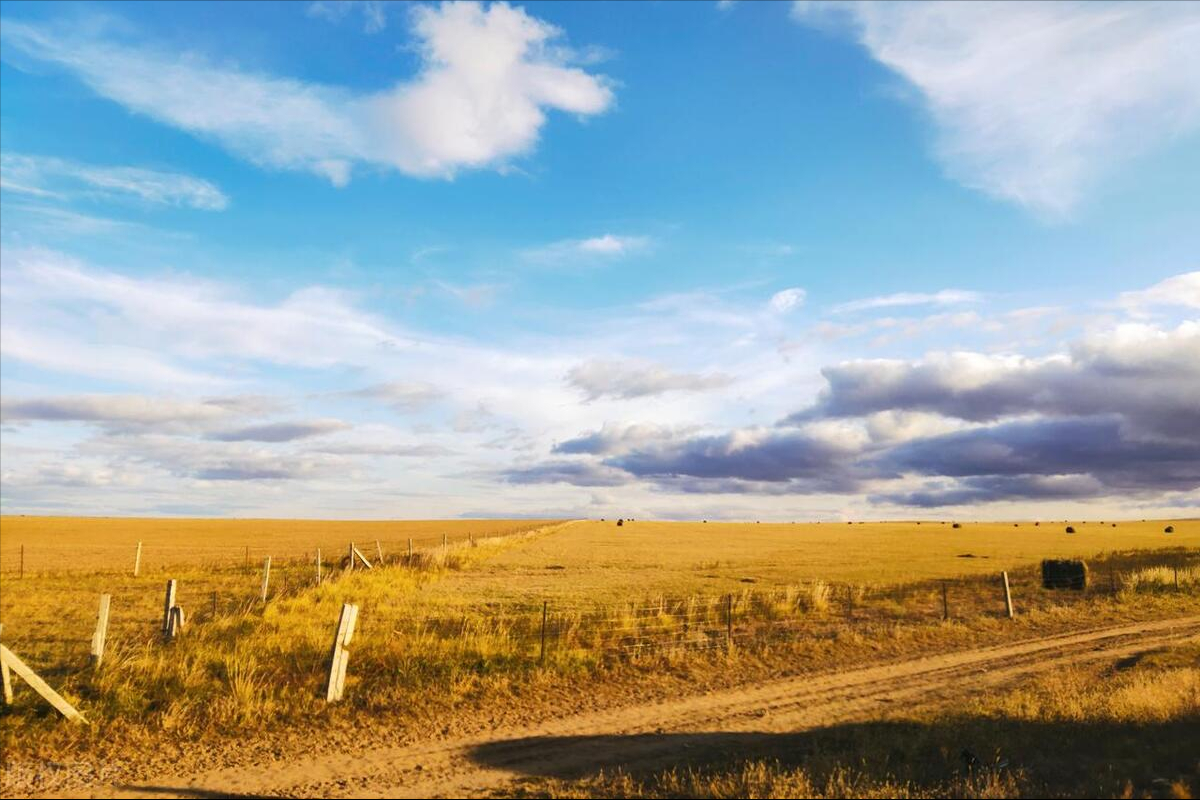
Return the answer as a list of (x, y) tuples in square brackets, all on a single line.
[(620, 522), (1169, 529), (1064, 573), (1070, 529)]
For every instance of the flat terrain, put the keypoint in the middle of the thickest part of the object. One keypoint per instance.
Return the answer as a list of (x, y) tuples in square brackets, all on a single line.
[(762, 719), (107, 543), (598, 559), (517, 628)]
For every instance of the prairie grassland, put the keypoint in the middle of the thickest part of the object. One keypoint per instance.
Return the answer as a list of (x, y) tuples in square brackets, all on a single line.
[(600, 560), (1101, 730), (109, 543), (456, 636)]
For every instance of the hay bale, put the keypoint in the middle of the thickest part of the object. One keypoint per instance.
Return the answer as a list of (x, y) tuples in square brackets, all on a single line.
[(620, 522), (1169, 529), (956, 525), (1070, 529), (1064, 573)]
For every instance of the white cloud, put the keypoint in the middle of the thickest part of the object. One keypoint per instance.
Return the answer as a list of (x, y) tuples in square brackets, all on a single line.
[(786, 300), (374, 12), (1178, 290), (626, 380), (46, 177), (1034, 101), (589, 250), (488, 76), (944, 297)]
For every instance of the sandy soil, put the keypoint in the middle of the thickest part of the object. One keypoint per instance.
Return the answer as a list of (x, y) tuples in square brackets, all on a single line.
[(659, 734)]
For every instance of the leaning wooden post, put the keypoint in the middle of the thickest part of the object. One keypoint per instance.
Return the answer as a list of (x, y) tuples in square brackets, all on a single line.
[(1008, 607), (339, 656), (137, 560), (101, 634), (266, 578), (10, 661), (542, 655), (168, 604), (318, 566), (378, 553)]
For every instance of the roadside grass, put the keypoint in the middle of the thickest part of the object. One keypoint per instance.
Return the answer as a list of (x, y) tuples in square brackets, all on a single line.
[(1101, 730)]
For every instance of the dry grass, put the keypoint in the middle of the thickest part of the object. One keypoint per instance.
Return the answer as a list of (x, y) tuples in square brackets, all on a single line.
[(457, 633), (597, 559), (80, 544), (1127, 730)]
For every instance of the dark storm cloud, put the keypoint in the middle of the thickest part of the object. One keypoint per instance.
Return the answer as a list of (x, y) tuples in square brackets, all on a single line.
[(1150, 379), (762, 455), (1100, 447)]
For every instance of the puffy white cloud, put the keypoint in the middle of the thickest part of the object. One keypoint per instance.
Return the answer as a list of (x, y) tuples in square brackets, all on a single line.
[(1034, 101), (488, 75)]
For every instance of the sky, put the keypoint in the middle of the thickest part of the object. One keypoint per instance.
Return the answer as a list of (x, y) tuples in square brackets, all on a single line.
[(721, 260)]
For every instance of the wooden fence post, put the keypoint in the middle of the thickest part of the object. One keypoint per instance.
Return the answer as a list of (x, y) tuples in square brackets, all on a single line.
[(137, 560), (339, 656), (101, 634), (378, 553), (542, 655), (168, 604), (945, 601), (266, 578), (410, 551), (729, 621), (174, 623), (445, 544), (5, 677), (351, 556), (10, 661), (318, 566), (1008, 606)]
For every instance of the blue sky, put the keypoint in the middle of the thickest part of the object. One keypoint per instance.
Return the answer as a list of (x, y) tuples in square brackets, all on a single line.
[(743, 260)]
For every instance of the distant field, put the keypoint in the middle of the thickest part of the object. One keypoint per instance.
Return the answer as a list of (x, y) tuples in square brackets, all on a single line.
[(599, 559), (103, 543)]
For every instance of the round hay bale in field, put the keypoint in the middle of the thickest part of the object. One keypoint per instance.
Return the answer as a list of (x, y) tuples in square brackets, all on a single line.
[(1064, 573), (956, 525), (1036, 524), (1070, 529), (1169, 529), (620, 522)]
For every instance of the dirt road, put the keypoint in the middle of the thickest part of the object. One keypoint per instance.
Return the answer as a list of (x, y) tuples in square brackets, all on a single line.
[(656, 735)]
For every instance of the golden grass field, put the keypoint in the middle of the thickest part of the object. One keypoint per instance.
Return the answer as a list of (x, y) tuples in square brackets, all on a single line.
[(456, 634), (600, 560)]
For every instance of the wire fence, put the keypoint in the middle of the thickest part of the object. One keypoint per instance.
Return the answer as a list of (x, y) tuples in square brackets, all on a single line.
[(544, 629)]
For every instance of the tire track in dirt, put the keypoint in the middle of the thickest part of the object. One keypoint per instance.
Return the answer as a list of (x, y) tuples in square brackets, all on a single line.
[(580, 744)]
